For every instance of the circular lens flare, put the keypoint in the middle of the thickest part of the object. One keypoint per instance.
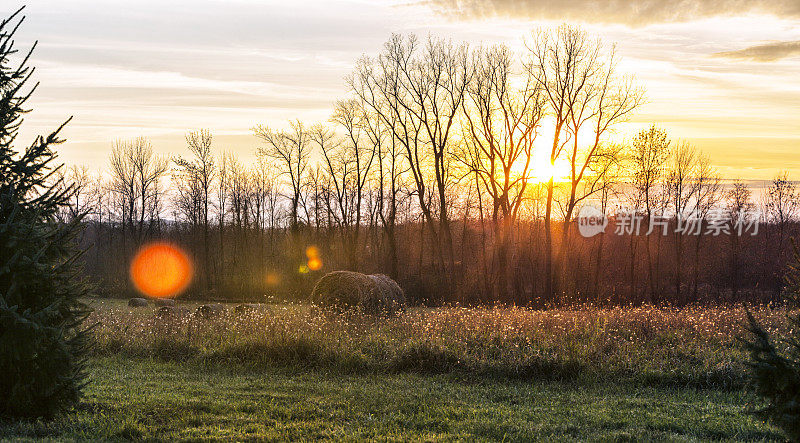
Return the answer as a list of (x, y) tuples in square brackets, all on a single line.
[(314, 264), (312, 252), (161, 270)]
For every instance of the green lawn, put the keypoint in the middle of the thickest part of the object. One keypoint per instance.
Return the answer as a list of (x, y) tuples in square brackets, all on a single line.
[(146, 399)]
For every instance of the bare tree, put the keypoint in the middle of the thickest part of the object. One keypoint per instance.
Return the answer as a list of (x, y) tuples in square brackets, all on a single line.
[(680, 188), (782, 203), (608, 167), (239, 198), (263, 201), (418, 92), (291, 150), (738, 204), (222, 200), (707, 188), (136, 177), (82, 195), (123, 183), (188, 198), (199, 174), (501, 126), (348, 162), (582, 90), (649, 152), (388, 177)]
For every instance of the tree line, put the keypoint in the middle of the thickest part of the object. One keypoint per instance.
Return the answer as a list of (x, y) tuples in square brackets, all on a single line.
[(460, 172)]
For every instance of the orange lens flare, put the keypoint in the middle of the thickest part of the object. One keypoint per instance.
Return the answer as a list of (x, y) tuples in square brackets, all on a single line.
[(314, 261), (161, 270), (314, 264), (312, 252)]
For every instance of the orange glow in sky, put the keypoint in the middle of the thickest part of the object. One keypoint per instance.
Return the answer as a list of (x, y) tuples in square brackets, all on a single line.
[(161, 270)]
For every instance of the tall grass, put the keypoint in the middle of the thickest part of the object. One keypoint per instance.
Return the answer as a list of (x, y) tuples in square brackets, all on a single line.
[(692, 346)]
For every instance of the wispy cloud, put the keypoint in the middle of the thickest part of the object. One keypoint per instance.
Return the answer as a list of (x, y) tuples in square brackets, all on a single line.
[(630, 12), (766, 52), (158, 68)]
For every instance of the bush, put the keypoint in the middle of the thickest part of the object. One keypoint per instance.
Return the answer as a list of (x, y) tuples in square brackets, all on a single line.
[(776, 371), (42, 342)]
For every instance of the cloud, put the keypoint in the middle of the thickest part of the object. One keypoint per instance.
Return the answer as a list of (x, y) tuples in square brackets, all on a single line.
[(766, 52), (630, 12)]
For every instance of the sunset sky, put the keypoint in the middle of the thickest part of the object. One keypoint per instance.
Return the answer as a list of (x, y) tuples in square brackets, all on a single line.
[(722, 74)]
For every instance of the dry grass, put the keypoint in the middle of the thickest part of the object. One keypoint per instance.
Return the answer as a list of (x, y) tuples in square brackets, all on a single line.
[(688, 347)]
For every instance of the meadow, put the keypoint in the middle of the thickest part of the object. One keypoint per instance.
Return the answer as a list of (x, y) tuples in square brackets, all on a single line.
[(293, 371)]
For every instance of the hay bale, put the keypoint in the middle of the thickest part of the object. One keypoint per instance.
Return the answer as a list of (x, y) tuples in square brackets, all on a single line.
[(341, 289), (245, 308), (172, 312), (390, 293), (374, 294), (137, 302), (164, 302), (210, 311)]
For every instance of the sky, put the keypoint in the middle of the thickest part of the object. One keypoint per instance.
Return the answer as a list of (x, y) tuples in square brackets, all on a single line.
[(721, 74)]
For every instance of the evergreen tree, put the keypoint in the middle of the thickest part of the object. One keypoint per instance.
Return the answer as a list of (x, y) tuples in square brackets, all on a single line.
[(42, 340), (775, 366)]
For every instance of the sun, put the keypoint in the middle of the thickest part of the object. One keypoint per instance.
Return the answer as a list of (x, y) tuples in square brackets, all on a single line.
[(541, 170), (161, 270)]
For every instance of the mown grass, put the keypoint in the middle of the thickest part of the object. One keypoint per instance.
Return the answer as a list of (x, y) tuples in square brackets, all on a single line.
[(294, 372), (135, 398)]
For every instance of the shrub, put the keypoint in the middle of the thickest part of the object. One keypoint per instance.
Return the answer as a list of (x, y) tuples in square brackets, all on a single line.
[(42, 342), (776, 371)]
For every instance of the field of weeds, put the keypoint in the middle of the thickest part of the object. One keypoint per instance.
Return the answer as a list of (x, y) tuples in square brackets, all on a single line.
[(295, 372), (696, 347)]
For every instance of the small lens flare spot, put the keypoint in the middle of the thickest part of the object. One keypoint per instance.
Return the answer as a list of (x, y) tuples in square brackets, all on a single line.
[(314, 264), (312, 252), (273, 279), (303, 269), (161, 270)]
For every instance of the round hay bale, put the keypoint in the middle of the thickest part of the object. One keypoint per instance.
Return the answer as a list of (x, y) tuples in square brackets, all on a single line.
[(245, 308), (137, 302), (164, 302), (346, 289), (390, 294), (210, 311), (341, 289)]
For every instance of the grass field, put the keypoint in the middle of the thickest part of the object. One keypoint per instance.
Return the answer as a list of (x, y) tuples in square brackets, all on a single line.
[(293, 372)]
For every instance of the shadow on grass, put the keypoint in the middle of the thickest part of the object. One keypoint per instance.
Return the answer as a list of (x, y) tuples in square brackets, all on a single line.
[(420, 357)]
